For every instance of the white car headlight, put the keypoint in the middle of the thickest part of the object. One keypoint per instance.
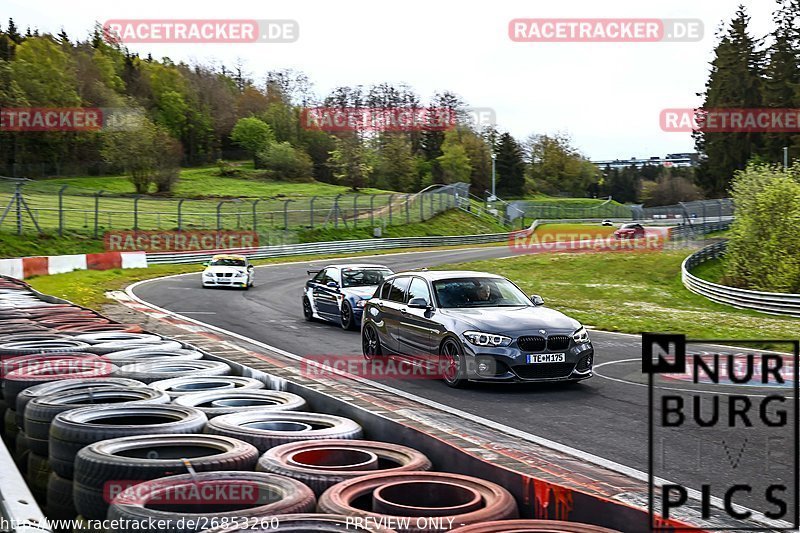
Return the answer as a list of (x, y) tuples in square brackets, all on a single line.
[(362, 303), (479, 338), (238, 275), (581, 336), (208, 275)]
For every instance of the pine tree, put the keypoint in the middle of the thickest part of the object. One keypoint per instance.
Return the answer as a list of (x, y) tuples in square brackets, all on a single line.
[(12, 32), (734, 82), (510, 166)]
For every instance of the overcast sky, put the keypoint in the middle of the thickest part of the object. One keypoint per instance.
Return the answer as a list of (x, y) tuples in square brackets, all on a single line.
[(607, 96)]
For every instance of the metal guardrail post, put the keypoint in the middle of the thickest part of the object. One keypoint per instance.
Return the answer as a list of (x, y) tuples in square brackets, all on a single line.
[(286, 213), (61, 209), (97, 196)]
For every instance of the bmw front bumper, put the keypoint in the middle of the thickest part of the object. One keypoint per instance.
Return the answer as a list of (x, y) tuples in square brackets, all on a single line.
[(509, 363)]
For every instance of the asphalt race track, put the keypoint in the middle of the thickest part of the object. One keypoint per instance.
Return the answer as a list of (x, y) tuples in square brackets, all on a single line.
[(605, 415)]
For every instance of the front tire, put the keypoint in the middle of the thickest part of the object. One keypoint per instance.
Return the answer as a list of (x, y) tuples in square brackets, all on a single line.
[(451, 363), (308, 313), (348, 320), (370, 343)]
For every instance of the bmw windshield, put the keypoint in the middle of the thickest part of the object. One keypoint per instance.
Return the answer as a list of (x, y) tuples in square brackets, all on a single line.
[(461, 293), (227, 262), (363, 277)]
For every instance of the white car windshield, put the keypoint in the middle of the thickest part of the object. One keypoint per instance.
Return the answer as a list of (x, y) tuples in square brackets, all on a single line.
[(478, 292), (228, 262)]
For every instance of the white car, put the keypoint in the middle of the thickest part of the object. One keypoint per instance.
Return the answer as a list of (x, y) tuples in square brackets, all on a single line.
[(228, 271)]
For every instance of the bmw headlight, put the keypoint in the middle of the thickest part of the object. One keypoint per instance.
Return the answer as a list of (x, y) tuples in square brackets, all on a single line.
[(238, 275), (362, 303), (479, 338), (208, 275), (581, 336)]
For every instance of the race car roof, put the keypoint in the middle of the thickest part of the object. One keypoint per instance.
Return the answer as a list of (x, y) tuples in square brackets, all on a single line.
[(228, 256), (355, 266)]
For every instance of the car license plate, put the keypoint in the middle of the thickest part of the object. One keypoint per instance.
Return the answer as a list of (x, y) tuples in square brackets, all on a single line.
[(546, 358)]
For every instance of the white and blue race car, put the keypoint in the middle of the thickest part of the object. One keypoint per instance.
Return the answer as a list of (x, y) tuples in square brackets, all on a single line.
[(337, 293)]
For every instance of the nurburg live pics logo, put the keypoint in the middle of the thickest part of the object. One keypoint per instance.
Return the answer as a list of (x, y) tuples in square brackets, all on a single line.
[(732, 428)]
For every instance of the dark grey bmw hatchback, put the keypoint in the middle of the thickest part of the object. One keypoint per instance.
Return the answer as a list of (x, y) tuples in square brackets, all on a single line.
[(473, 326)]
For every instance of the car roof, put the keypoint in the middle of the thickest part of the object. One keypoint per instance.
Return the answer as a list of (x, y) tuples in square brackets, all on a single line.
[(357, 265), (437, 275), (228, 256)]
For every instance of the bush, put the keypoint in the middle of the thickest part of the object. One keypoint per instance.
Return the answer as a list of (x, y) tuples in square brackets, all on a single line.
[(227, 169), (282, 161), (764, 247)]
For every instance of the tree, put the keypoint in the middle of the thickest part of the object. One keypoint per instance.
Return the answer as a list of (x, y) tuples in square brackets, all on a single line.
[(764, 248), (396, 166), (554, 166), (252, 134), (734, 82), (669, 189), (145, 152), (350, 162), (454, 161), (45, 73), (510, 167), (282, 161)]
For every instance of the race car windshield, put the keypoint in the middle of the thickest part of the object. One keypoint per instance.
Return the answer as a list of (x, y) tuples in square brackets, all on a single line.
[(363, 277), (478, 292), (228, 262)]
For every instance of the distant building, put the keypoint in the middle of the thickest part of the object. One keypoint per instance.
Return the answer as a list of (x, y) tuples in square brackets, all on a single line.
[(670, 160)]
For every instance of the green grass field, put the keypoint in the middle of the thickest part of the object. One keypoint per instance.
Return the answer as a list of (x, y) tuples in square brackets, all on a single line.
[(632, 293)]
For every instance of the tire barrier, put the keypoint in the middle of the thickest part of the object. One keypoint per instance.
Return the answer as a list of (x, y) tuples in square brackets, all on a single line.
[(42, 347), (259, 494), (267, 430), (158, 370), (119, 338), (532, 526), (48, 369), (216, 403), (72, 430), (170, 351), (303, 523), (38, 472), (427, 495), (60, 504), (321, 465), (40, 412), (177, 387), (100, 465)]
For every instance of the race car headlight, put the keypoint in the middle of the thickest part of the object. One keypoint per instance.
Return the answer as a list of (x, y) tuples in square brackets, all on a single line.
[(238, 275), (581, 335), (361, 303), (208, 275), (479, 338)]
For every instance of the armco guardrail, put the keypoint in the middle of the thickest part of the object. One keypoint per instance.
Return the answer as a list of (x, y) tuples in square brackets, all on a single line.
[(766, 302), (330, 247)]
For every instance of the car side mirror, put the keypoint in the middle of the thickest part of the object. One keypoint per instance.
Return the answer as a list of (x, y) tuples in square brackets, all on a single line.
[(332, 284), (206, 263), (537, 300), (418, 303)]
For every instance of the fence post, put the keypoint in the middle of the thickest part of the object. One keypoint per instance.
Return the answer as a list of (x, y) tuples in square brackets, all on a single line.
[(336, 211), (219, 215), (431, 196), (255, 215), (422, 207), (61, 210), (180, 213), (408, 211), (286, 214), (372, 210), (719, 210), (355, 210), (97, 196), (136, 213), (18, 198), (391, 199), (311, 215)]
